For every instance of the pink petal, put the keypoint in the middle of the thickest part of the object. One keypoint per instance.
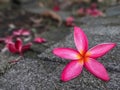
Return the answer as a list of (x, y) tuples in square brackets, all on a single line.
[(72, 70), (96, 69), (56, 8), (26, 47), (69, 21), (81, 40), (39, 40), (100, 49), (18, 44), (8, 39), (96, 13), (25, 32), (88, 11), (17, 33), (11, 47), (67, 53)]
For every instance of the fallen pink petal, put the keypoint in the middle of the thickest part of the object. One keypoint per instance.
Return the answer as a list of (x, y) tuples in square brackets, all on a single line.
[(7, 39), (56, 8), (82, 57), (94, 12), (39, 40), (22, 32), (26, 47), (11, 47), (70, 21)]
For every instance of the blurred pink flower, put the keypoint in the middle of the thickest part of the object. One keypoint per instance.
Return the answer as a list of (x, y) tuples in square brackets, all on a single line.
[(70, 21), (88, 11), (39, 40), (56, 8), (22, 32), (83, 57), (18, 47), (94, 12)]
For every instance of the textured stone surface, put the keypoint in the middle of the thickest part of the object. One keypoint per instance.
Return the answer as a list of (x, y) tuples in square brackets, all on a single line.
[(112, 11), (5, 60), (106, 21), (43, 71)]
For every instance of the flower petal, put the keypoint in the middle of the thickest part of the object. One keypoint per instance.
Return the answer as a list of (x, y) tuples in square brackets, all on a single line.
[(72, 70), (70, 21), (18, 44), (26, 47), (96, 69), (100, 49), (67, 53), (16, 33), (39, 40), (56, 8), (81, 40), (11, 47), (97, 13), (25, 32), (8, 39)]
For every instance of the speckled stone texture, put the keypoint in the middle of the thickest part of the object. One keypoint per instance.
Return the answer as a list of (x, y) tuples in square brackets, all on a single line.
[(43, 72)]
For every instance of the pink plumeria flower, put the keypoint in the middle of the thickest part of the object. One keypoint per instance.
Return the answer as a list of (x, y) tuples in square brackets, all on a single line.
[(39, 40), (94, 12), (70, 21), (18, 47), (22, 32), (83, 57)]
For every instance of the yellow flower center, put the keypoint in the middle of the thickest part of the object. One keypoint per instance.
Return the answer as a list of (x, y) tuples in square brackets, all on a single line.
[(83, 56)]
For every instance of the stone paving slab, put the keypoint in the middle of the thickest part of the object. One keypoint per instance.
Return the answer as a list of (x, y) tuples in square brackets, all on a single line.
[(44, 72), (5, 60), (113, 11), (106, 21)]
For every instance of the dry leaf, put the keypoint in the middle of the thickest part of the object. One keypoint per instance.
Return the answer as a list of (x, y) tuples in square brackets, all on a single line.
[(53, 15), (36, 21), (40, 4)]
